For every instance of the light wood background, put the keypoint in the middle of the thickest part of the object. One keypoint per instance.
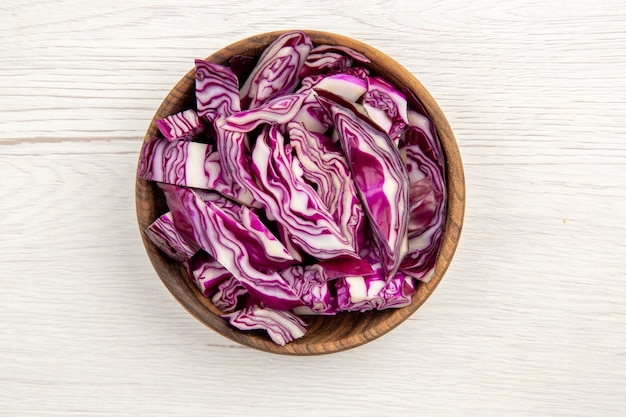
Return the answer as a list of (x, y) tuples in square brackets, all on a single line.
[(530, 319)]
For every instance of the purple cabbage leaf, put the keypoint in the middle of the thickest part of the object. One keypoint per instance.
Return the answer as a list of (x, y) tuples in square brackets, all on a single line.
[(266, 251), (345, 85), (312, 285), (235, 160), (206, 272), (312, 115), (293, 202), (427, 205), (217, 90), (386, 106), (426, 169), (188, 164), (281, 326), (228, 241), (381, 179), (166, 237), (184, 125), (328, 58), (314, 118), (276, 72), (374, 292), (229, 295), (323, 165)]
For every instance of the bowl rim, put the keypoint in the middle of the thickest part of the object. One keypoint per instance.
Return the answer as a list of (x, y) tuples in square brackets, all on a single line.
[(187, 294)]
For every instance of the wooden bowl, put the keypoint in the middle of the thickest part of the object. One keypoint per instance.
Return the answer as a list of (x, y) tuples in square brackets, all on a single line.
[(325, 334)]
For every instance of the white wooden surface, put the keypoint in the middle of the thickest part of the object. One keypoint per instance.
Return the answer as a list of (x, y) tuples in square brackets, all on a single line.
[(529, 321)]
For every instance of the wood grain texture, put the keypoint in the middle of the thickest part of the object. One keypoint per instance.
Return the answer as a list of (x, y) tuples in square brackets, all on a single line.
[(529, 320)]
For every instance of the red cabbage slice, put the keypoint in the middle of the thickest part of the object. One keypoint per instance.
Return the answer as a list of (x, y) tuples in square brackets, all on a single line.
[(267, 252), (241, 65), (312, 115), (179, 163), (422, 124), (325, 96), (276, 72), (428, 194), (311, 284), (426, 166), (293, 202), (325, 58), (228, 242), (387, 106), (217, 90), (181, 126), (374, 292), (285, 237), (324, 165), (188, 164), (235, 159), (345, 266), (424, 203), (345, 85), (427, 203), (281, 326), (381, 178), (418, 118), (164, 235), (206, 272), (229, 294), (278, 110), (423, 251)]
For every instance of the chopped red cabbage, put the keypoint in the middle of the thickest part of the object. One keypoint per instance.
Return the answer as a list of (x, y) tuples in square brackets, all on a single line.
[(166, 237), (293, 202), (281, 326), (228, 242), (188, 164), (217, 90), (229, 294), (234, 151), (325, 58), (427, 204), (266, 251), (374, 292), (345, 85), (386, 106), (184, 125), (311, 284), (279, 110), (276, 72), (312, 115), (206, 272), (381, 179), (324, 166), (324, 190)]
